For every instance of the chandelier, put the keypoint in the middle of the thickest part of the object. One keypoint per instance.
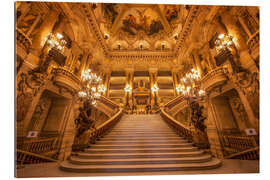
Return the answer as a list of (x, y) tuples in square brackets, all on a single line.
[(92, 87), (189, 86), (223, 42), (56, 41)]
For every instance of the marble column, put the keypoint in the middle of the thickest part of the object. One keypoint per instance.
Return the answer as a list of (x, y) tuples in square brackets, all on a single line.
[(198, 62), (175, 82)]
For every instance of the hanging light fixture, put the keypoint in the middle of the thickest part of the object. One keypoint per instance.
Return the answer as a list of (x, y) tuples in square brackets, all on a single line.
[(189, 86), (92, 88)]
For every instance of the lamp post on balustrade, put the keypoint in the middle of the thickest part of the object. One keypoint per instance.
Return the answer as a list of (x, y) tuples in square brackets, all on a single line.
[(127, 90), (155, 90)]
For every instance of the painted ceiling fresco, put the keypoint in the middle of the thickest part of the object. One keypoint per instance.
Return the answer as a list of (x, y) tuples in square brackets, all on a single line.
[(145, 19), (137, 20)]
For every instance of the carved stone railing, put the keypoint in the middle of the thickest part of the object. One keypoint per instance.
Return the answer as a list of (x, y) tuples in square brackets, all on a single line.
[(105, 127), (66, 79), (24, 157), (38, 146), (24, 41), (173, 106), (239, 142), (109, 103), (180, 128), (249, 154), (214, 78), (253, 40), (241, 147)]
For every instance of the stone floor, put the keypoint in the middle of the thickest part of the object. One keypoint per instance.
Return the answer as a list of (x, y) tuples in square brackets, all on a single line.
[(52, 170)]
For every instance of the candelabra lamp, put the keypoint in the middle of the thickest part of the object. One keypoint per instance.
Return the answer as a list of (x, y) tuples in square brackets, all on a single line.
[(155, 90), (190, 89), (226, 50), (92, 87), (127, 89)]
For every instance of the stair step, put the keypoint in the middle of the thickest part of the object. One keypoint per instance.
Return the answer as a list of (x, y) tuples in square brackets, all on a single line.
[(140, 138), (140, 155), (125, 146), (142, 142), (141, 150), (78, 160), (214, 163)]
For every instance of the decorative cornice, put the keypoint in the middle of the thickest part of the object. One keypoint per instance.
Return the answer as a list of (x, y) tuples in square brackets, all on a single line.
[(94, 27), (187, 28)]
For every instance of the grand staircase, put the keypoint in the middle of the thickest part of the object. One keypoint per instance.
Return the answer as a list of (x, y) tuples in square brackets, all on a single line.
[(140, 143)]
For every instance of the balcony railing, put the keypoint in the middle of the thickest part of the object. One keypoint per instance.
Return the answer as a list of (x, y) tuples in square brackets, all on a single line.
[(241, 147), (214, 78), (23, 40), (25, 157), (64, 77), (39, 146)]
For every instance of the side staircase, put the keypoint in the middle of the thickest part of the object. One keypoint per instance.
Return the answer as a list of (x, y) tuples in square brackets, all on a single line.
[(140, 143)]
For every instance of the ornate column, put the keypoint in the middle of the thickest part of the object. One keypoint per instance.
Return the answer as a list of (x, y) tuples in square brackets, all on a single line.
[(24, 8), (175, 81), (67, 132), (33, 25), (82, 65), (107, 81), (198, 62), (212, 130)]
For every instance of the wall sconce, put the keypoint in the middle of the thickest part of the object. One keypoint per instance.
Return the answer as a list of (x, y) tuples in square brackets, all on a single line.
[(119, 46), (141, 46), (176, 36), (106, 36), (162, 46)]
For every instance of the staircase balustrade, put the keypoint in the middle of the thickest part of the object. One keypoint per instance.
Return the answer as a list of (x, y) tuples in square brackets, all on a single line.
[(39, 146), (23, 40), (249, 154), (241, 147), (180, 128), (105, 127), (24, 157)]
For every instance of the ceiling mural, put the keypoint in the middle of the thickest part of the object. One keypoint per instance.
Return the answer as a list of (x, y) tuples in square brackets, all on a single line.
[(154, 30), (141, 19)]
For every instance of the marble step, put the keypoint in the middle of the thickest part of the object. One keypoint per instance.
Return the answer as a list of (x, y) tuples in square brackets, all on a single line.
[(68, 166), (142, 142), (140, 155), (141, 150), (125, 146), (78, 160), (140, 138)]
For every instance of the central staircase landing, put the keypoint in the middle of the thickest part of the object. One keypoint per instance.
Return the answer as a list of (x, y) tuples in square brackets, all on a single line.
[(140, 143)]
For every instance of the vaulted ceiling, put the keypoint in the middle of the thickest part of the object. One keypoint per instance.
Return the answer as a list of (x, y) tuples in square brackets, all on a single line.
[(135, 35)]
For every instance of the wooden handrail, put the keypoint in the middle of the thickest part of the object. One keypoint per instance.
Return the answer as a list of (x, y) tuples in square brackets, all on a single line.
[(25, 157), (180, 128)]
